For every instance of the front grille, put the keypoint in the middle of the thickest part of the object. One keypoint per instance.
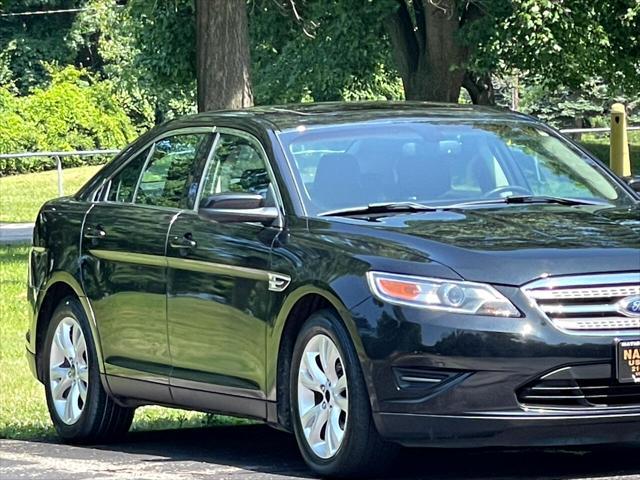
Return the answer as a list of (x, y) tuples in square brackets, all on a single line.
[(586, 303), (600, 392)]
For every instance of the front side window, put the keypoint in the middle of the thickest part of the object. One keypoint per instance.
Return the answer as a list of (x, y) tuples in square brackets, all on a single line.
[(237, 166), (439, 163), (168, 179)]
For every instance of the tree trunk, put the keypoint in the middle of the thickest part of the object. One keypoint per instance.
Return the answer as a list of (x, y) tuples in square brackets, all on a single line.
[(222, 50), (480, 88), (429, 57)]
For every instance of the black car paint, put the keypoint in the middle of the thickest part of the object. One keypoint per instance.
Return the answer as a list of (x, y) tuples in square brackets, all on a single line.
[(328, 258)]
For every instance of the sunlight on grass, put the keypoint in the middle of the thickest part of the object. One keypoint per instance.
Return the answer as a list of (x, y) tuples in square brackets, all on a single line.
[(23, 411), (598, 145), (21, 196)]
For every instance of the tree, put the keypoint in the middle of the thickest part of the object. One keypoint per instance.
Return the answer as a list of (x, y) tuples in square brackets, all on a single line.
[(319, 50), (426, 49), (29, 42), (559, 43), (340, 52), (440, 46), (222, 50), (426, 42)]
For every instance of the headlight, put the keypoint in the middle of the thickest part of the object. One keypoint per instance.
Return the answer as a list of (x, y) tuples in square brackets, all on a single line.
[(438, 294)]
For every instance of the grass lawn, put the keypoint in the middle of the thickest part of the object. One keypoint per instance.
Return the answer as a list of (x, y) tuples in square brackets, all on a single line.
[(23, 411), (21, 196), (598, 145)]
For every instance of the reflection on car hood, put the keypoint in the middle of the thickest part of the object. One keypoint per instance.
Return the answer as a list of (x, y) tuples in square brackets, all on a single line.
[(513, 245)]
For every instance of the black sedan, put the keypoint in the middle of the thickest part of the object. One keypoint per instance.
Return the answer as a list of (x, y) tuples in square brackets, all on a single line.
[(363, 275)]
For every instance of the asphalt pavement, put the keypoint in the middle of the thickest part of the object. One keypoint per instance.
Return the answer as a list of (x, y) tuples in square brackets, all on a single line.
[(15, 233), (257, 452)]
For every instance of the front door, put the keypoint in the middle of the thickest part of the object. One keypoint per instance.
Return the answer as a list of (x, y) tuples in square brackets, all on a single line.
[(218, 300), (124, 267)]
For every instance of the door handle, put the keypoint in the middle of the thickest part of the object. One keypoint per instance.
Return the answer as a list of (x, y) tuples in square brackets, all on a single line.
[(183, 242), (94, 233)]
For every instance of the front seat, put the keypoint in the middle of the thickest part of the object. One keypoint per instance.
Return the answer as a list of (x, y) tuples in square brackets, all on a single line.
[(337, 182), (424, 176)]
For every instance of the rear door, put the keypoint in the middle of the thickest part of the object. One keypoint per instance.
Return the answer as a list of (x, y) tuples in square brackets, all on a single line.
[(124, 268), (219, 295)]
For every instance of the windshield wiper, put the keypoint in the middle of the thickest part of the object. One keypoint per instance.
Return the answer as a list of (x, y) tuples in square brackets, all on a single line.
[(529, 199), (400, 207), (373, 208)]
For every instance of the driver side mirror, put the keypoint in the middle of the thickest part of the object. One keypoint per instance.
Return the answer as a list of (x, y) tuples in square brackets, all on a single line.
[(633, 182), (237, 208)]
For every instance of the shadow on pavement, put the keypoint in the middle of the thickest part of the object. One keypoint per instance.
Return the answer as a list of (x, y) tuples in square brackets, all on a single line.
[(261, 449)]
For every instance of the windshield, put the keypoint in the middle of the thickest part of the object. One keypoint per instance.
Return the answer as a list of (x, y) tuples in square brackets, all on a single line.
[(439, 163)]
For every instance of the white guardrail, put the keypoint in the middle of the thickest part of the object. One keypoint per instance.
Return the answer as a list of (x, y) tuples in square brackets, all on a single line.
[(595, 130), (90, 153), (58, 156)]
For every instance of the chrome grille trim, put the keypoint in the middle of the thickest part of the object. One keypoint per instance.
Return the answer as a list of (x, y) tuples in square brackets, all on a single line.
[(579, 394), (593, 292), (601, 279), (596, 308), (587, 304), (603, 323)]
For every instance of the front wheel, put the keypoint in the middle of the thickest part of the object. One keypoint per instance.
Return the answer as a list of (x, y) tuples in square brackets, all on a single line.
[(330, 403), (80, 408)]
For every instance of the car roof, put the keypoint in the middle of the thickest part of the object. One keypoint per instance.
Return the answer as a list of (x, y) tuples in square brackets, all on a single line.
[(285, 117)]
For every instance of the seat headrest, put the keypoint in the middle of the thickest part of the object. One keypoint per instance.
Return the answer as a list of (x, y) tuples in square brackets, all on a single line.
[(424, 176), (337, 182)]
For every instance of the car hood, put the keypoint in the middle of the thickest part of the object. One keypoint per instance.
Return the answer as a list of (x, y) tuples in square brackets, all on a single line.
[(510, 245)]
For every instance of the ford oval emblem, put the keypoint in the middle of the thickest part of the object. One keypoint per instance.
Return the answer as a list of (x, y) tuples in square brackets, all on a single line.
[(630, 306)]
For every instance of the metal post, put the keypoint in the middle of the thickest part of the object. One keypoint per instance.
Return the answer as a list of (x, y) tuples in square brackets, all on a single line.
[(60, 184), (619, 149)]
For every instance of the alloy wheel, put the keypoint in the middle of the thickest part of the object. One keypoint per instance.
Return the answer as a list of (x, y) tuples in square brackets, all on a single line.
[(69, 370), (323, 401)]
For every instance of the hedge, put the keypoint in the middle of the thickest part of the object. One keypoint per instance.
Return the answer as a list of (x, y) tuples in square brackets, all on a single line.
[(75, 112)]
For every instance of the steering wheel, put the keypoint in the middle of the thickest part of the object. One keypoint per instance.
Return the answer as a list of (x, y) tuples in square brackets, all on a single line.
[(507, 188)]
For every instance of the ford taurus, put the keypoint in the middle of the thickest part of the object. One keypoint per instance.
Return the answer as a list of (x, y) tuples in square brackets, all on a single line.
[(362, 275)]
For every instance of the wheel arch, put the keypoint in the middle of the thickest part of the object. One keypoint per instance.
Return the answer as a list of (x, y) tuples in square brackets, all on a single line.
[(297, 308), (60, 286)]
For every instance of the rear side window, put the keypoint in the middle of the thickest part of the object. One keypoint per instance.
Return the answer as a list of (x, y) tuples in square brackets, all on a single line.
[(123, 186), (168, 178)]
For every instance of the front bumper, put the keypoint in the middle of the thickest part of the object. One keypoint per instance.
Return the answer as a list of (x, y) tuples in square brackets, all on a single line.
[(513, 430), (438, 379)]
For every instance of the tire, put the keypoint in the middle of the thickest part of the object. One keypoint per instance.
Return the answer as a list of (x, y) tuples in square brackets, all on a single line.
[(352, 446), (81, 410)]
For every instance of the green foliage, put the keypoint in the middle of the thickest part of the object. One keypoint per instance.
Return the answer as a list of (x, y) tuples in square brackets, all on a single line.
[(150, 48), (557, 44), (566, 108), (75, 112), (147, 52), (346, 57), (29, 43), (599, 147)]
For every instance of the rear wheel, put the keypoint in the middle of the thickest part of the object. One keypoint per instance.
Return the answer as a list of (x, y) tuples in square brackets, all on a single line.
[(80, 408), (330, 404)]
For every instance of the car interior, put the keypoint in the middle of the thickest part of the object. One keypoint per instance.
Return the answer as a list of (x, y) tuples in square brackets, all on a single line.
[(467, 165)]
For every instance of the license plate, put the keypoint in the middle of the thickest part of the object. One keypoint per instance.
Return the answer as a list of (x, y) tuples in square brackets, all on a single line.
[(628, 361)]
